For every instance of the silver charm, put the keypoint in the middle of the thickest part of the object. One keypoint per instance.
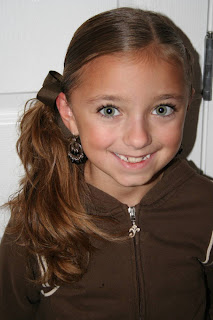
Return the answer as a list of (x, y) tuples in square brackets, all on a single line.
[(133, 230), (76, 152)]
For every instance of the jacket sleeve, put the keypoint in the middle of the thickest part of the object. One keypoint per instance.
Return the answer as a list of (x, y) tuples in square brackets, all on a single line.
[(19, 298), (209, 280), (208, 268)]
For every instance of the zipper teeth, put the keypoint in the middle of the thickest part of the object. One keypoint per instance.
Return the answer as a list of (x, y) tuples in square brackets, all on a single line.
[(138, 280), (132, 232)]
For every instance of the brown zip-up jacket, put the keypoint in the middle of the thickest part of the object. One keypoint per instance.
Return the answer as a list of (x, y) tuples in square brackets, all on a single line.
[(163, 272)]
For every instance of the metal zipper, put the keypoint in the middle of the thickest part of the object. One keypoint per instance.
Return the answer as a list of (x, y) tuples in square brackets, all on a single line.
[(134, 228), (132, 232)]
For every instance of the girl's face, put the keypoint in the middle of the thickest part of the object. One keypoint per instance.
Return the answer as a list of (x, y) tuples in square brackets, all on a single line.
[(129, 113)]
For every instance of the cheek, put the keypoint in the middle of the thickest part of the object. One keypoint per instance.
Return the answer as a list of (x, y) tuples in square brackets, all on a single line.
[(171, 136), (173, 141), (95, 138)]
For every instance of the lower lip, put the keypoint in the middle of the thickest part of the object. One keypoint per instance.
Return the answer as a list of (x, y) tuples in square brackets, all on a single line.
[(137, 165)]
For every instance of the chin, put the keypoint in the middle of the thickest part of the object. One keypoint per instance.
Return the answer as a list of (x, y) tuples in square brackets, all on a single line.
[(134, 182)]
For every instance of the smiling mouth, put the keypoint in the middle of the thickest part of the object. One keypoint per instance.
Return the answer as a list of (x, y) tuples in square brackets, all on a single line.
[(132, 159)]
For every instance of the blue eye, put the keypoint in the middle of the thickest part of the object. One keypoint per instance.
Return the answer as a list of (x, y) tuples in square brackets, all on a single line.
[(163, 110), (109, 111)]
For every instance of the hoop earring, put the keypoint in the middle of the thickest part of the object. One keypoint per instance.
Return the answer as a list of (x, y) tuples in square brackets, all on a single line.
[(76, 153)]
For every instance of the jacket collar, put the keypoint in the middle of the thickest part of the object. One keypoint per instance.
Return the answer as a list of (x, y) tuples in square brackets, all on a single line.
[(176, 173)]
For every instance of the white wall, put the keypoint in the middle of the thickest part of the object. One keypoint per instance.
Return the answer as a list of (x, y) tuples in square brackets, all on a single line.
[(34, 35)]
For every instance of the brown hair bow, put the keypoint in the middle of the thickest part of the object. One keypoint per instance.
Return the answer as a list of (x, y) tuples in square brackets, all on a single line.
[(51, 89)]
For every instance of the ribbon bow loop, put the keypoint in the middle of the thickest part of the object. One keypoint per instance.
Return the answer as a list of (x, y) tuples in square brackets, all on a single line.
[(50, 89)]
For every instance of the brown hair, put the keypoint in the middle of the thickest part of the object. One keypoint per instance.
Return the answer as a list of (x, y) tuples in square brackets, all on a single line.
[(48, 214)]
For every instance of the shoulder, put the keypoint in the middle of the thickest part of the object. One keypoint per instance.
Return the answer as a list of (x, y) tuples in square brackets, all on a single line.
[(12, 255), (182, 174), (18, 296), (16, 261), (197, 185), (193, 197), (15, 272), (180, 185)]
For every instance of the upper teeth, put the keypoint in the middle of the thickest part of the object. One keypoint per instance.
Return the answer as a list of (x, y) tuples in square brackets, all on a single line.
[(133, 159)]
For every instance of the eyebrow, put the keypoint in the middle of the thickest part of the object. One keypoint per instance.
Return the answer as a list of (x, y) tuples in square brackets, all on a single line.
[(120, 99), (105, 97), (170, 96)]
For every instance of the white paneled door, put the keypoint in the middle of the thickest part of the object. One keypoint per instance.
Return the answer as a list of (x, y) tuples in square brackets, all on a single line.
[(34, 41)]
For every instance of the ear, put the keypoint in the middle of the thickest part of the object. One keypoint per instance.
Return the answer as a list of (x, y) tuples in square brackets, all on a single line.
[(66, 113)]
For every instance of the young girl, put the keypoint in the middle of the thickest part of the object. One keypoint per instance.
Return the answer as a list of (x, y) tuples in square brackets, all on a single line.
[(108, 222)]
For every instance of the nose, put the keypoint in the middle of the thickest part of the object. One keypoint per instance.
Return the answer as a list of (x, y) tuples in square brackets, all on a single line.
[(137, 134)]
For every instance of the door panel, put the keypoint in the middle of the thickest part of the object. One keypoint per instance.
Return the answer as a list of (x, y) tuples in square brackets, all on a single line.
[(35, 36)]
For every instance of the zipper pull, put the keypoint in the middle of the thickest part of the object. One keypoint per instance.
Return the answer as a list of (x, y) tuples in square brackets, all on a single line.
[(134, 228)]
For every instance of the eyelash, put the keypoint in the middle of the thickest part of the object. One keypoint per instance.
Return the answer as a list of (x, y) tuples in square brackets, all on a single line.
[(108, 106), (171, 106)]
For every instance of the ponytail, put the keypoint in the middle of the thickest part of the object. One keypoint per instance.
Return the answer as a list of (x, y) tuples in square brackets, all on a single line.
[(48, 215)]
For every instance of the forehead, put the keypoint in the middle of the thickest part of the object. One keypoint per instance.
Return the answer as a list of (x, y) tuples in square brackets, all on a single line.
[(152, 53), (131, 74)]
